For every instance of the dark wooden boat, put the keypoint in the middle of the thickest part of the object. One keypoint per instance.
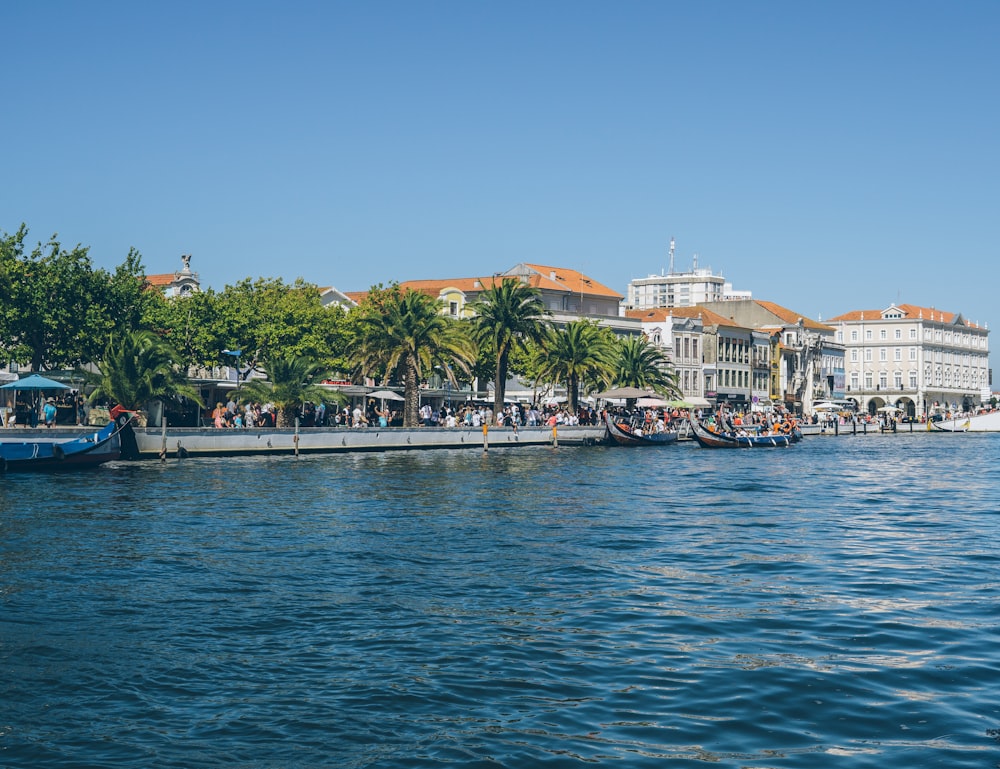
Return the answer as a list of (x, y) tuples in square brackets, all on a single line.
[(715, 439), (72, 454), (624, 434)]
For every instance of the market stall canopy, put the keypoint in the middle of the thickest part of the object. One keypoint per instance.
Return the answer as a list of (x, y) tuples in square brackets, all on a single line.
[(387, 395), (35, 382), (625, 392), (654, 403)]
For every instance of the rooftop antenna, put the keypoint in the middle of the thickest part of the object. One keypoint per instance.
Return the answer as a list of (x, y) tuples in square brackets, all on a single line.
[(671, 270)]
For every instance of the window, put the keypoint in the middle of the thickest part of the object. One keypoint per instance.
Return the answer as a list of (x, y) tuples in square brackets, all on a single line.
[(897, 353), (898, 380), (453, 309), (913, 333), (854, 335), (868, 355), (899, 333), (868, 334), (854, 356), (854, 380), (883, 380), (913, 380), (881, 333), (694, 349), (882, 354), (913, 353)]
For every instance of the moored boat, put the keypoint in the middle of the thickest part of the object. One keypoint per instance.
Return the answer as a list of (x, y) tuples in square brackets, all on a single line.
[(50, 454), (718, 439), (624, 433)]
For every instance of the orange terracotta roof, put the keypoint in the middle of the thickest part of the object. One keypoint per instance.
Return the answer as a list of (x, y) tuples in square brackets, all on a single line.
[(791, 317), (435, 287), (164, 279), (908, 310), (566, 279), (660, 314)]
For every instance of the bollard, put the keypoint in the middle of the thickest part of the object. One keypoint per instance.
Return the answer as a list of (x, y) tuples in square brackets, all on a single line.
[(163, 439), (555, 436), (295, 439)]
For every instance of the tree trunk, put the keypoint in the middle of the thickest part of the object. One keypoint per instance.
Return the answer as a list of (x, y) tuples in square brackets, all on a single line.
[(500, 381), (411, 393), (572, 386)]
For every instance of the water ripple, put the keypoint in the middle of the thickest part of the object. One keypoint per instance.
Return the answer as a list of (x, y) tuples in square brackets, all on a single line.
[(830, 605)]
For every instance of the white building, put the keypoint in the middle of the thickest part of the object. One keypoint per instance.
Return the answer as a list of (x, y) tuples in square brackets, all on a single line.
[(680, 289), (920, 359)]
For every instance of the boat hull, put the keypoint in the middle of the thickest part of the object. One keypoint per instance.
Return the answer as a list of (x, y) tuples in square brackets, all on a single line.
[(206, 442), (44, 454), (623, 435), (982, 423), (712, 440)]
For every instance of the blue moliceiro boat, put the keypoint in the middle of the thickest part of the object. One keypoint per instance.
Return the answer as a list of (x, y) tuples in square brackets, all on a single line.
[(718, 439), (36, 453)]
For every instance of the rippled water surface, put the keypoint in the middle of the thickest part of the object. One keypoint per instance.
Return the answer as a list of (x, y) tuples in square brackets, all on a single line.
[(833, 604)]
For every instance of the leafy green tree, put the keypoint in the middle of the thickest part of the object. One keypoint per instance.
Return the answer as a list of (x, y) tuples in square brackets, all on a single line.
[(509, 314), (576, 353), (138, 367), (638, 363), (403, 334), (54, 307), (268, 318), (292, 380), (191, 324)]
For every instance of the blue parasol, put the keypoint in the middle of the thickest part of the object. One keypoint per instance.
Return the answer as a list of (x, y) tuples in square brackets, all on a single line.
[(35, 382)]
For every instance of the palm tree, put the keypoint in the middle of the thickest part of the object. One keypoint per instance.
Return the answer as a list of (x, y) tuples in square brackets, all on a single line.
[(139, 367), (508, 316), (639, 363), (403, 333), (291, 381), (574, 354)]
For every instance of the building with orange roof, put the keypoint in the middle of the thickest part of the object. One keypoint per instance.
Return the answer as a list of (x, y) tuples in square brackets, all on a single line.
[(679, 332), (807, 362), (749, 353), (176, 284), (567, 294), (920, 360)]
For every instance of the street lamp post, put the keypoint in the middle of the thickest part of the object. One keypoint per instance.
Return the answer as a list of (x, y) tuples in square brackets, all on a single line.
[(236, 354)]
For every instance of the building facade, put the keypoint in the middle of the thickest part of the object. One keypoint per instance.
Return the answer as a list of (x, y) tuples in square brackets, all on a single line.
[(921, 360), (679, 334)]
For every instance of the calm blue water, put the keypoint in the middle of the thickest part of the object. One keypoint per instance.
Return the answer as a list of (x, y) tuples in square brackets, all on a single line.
[(836, 604)]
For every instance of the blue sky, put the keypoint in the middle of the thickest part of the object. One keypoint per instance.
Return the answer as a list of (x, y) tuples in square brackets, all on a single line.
[(825, 156)]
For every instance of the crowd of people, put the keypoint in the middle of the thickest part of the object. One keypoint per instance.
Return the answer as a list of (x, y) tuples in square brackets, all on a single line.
[(372, 413)]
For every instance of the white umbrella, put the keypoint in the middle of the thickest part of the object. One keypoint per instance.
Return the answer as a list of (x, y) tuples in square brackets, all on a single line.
[(890, 409), (387, 395), (624, 392), (653, 403), (826, 406)]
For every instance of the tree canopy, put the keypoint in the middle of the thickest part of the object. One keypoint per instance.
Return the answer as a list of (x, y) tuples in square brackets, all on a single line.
[(403, 334)]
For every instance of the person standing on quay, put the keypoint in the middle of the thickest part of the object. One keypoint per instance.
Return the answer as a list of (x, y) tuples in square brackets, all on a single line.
[(49, 412)]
